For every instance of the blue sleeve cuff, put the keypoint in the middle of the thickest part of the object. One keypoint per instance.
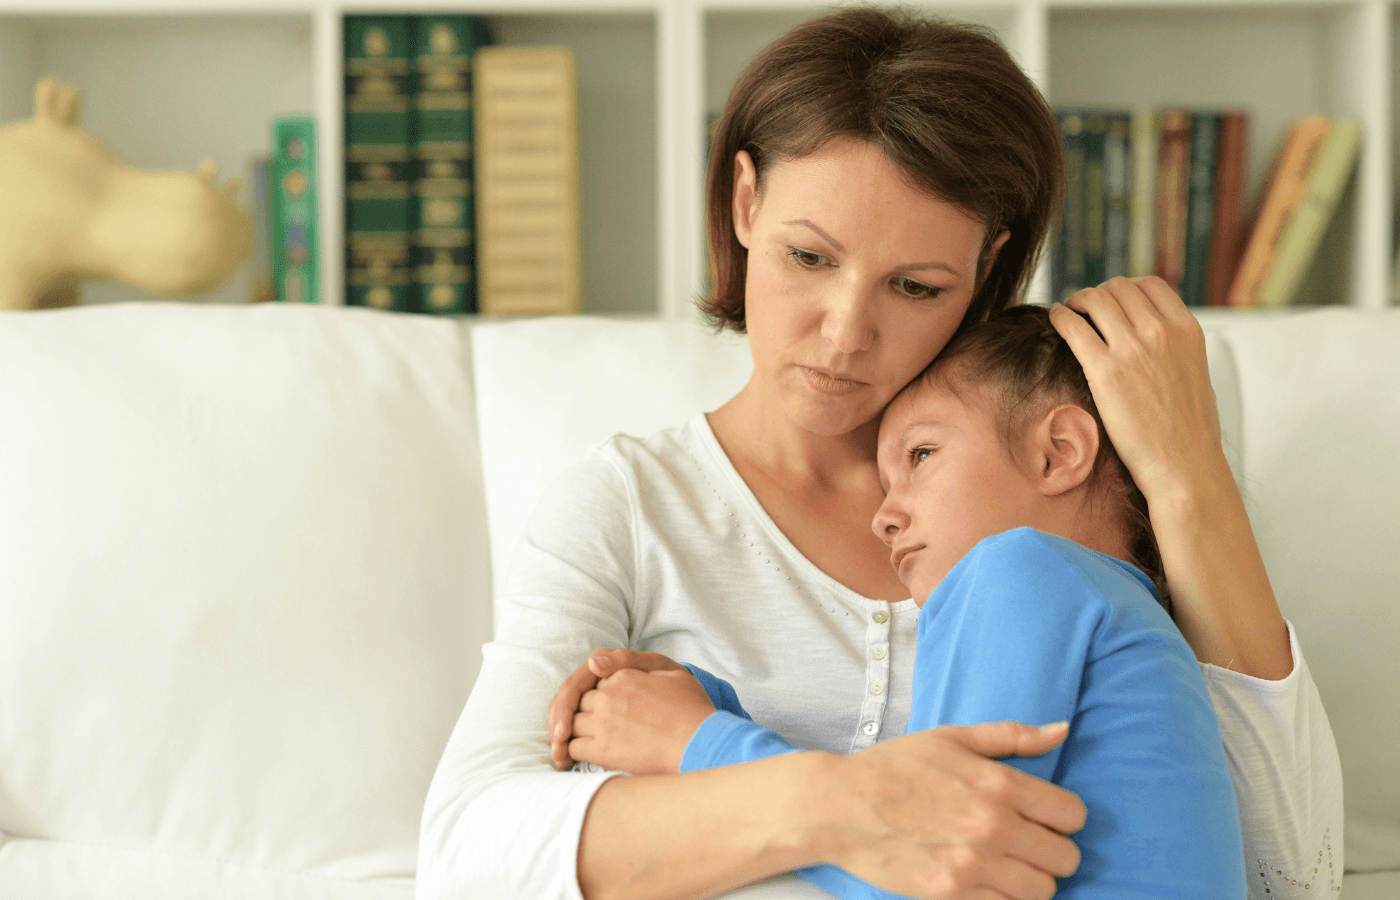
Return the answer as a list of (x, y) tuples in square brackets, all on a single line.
[(725, 739), (721, 693)]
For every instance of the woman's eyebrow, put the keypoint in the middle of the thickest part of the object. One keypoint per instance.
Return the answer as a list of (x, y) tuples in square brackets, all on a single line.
[(910, 267), (808, 223)]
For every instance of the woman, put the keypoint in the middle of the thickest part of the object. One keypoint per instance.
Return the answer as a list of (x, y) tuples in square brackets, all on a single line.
[(873, 184)]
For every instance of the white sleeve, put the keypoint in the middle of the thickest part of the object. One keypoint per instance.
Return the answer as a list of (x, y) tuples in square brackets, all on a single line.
[(499, 821), (1288, 779)]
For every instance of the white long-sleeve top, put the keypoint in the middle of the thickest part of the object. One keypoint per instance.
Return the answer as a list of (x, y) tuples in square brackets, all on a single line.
[(660, 545)]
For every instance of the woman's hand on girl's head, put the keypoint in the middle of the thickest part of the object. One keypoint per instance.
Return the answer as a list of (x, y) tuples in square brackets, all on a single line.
[(599, 664), (638, 721), (1146, 366), (933, 814)]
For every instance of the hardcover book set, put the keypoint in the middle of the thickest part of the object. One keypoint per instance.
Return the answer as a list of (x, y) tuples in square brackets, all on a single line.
[(461, 176), (1162, 191)]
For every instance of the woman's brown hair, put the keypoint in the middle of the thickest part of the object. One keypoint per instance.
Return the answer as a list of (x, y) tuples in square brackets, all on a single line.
[(1022, 368), (944, 102)]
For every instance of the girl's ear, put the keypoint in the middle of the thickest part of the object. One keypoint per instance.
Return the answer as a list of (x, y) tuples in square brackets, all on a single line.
[(1064, 447), (745, 196)]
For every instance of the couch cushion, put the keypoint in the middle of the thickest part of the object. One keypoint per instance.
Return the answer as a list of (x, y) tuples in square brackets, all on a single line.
[(549, 389), (238, 550), (1320, 471)]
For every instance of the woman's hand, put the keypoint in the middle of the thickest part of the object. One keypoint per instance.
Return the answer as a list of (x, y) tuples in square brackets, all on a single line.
[(1146, 367), (933, 815), (639, 722), (1150, 381), (599, 664)]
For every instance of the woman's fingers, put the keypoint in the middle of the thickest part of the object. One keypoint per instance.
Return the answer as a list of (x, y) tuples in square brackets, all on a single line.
[(933, 814), (1038, 801), (561, 713), (605, 662)]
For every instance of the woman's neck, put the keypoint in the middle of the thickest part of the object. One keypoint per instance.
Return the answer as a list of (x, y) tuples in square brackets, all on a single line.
[(761, 434)]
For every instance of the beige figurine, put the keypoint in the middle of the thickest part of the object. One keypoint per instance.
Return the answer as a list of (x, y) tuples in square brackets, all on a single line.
[(71, 211)]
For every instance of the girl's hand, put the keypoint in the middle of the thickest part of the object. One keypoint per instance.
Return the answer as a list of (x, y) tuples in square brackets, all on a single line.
[(639, 722), (933, 814), (1146, 367), (599, 664)]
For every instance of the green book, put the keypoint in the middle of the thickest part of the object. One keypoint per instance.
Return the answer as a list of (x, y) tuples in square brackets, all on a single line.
[(292, 180), (379, 162), (1095, 200), (1117, 191), (1067, 260), (1200, 206), (443, 254)]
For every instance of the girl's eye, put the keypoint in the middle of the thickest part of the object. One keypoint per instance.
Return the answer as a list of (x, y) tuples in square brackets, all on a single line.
[(919, 454), (915, 289), (807, 259)]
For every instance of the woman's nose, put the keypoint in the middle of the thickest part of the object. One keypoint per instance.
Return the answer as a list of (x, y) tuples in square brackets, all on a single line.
[(849, 323)]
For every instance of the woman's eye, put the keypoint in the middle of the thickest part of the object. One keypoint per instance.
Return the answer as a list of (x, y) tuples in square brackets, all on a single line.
[(807, 259), (919, 454), (914, 289)]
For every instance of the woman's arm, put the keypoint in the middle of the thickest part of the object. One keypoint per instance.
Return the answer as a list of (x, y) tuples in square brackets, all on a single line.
[(500, 821), (663, 720), (1147, 369)]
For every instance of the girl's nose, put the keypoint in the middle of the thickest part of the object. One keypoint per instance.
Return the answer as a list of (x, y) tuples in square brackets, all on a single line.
[(889, 520)]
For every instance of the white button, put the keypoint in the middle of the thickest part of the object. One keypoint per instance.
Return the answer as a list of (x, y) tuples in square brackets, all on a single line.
[(877, 652), (877, 687), (880, 617), (870, 728)]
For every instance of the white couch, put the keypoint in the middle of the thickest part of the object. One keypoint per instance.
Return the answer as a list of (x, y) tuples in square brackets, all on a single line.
[(244, 566)]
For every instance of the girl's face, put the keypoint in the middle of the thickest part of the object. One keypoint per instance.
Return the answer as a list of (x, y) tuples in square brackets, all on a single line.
[(856, 279), (949, 482)]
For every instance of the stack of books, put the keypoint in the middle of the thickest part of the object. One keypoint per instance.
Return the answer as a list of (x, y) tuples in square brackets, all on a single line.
[(1161, 192), (461, 176)]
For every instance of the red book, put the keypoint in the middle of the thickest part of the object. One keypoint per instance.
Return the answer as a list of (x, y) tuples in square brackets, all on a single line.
[(1229, 202), (1173, 184)]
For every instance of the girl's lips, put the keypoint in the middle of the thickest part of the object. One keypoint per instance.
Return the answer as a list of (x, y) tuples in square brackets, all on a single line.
[(826, 382)]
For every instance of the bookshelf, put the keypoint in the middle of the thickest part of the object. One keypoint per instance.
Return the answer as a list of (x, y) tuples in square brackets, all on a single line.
[(169, 82)]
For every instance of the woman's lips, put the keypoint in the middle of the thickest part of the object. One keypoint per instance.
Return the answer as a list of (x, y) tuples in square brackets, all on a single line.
[(827, 382)]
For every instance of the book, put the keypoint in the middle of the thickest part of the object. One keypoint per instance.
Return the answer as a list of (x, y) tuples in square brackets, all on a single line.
[(1227, 229), (1117, 190), (1302, 232), (1142, 224), (1282, 191), (1067, 255), (379, 172), (443, 255), (1095, 132), (1200, 207), (1173, 185), (261, 286), (527, 181), (292, 176)]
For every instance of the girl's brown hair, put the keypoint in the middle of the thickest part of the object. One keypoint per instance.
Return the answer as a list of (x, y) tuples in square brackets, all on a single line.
[(944, 102), (1021, 366)]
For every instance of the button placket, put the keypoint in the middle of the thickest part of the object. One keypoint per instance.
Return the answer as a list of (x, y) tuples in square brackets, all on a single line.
[(877, 675)]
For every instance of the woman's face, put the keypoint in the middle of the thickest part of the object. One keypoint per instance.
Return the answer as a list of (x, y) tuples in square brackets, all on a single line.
[(856, 279)]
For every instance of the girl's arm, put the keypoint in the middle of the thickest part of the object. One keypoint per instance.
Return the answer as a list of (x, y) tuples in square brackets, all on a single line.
[(1147, 369)]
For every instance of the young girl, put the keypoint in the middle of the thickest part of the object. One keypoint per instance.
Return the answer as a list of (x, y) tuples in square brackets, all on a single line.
[(1008, 509)]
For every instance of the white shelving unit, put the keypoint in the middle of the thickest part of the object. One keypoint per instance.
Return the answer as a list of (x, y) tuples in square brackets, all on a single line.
[(167, 83)]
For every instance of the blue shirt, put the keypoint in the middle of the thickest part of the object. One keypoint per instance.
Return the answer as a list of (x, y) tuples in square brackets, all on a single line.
[(1036, 628)]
